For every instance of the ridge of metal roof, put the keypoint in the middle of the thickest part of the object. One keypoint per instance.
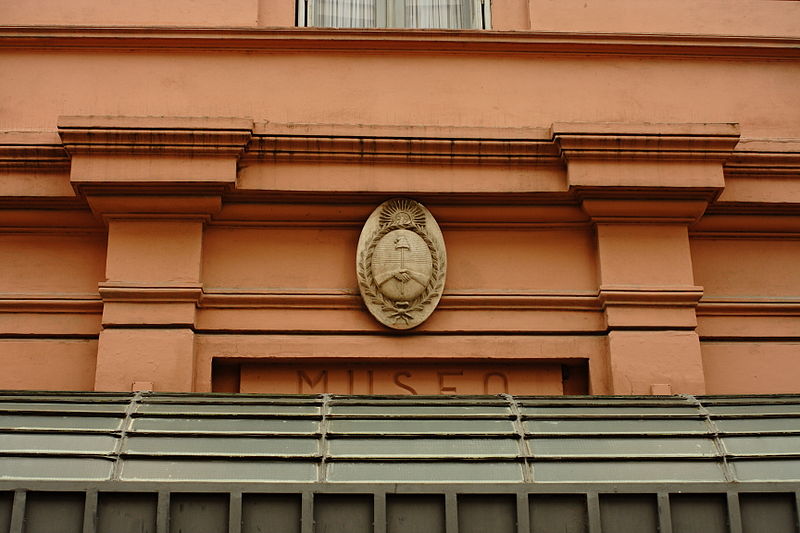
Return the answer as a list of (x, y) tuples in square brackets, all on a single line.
[(156, 437)]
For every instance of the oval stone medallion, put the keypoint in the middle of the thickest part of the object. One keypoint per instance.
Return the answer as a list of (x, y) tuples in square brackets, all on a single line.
[(401, 263)]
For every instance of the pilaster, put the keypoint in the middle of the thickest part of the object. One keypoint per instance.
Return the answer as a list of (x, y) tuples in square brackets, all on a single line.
[(643, 185), (154, 181)]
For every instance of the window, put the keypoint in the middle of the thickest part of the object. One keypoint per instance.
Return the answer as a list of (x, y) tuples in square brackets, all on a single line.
[(445, 14)]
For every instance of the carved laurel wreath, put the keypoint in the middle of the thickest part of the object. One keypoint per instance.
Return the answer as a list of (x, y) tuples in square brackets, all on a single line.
[(371, 290)]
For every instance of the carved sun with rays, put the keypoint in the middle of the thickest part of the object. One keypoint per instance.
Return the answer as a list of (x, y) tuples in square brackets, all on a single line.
[(402, 213)]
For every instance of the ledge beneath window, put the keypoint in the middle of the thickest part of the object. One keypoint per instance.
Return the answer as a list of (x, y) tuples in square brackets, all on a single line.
[(393, 40)]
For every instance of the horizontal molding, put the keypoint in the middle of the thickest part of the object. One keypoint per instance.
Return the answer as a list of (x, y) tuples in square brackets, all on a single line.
[(416, 146), (117, 292), (36, 150), (345, 299), (202, 140), (711, 306), (464, 214), (50, 303), (450, 226), (611, 295), (230, 136), (154, 135), (765, 157), (277, 299), (707, 142), (748, 221), (745, 235), (394, 40)]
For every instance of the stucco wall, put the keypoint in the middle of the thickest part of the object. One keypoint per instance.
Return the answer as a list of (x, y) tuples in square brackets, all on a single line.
[(623, 205)]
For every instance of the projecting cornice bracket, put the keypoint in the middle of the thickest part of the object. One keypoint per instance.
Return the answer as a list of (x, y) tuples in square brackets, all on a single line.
[(615, 169), (154, 166)]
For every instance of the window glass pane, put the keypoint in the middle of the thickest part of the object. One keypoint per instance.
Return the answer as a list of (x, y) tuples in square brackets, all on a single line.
[(446, 14), (343, 13)]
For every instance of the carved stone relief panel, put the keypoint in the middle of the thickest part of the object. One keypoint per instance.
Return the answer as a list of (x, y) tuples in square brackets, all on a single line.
[(401, 263)]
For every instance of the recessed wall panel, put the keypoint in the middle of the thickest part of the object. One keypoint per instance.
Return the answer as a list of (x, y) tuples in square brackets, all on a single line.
[(198, 513), (343, 513), (751, 367), (412, 513), (405, 378), (625, 513), (47, 364), (559, 513), (479, 513), (35, 263), (775, 513), (324, 258), (271, 513), (6, 502), (737, 267), (126, 512), (54, 512), (699, 513)]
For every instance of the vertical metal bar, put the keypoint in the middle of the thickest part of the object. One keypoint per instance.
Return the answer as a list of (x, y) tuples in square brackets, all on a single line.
[(307, 513), (525, 450), (797, 511), (664, 513), (127, 423), (593, 503), (162, 513), (451, 513), (235, 513), (322, 472), (734, 513), (379, 512), (713, 432), (523, 513), (486, 12), (18, 511), (90, 512)]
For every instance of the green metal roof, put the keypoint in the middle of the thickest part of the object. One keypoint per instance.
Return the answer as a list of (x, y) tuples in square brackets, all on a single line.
[(337, 439)]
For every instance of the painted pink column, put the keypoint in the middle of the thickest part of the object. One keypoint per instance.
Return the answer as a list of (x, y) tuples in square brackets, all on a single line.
[(154, 182), (643, 185)]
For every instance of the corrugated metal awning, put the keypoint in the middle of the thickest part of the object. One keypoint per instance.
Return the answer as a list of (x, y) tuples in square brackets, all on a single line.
[(163, 463), (337, 439)]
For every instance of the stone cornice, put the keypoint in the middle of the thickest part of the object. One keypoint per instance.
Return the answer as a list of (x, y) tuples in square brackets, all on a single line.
[(633, 161), (661, 142), (775, 157), (416, 144), (154, 135), (165, 158), (382, 40), (198, 156), (297, 141), (32, 149)]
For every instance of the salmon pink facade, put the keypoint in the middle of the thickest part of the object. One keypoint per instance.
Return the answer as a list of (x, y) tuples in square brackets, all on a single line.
[(617, 182)]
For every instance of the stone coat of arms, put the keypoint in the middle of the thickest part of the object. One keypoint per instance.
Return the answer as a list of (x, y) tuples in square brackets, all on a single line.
[(401, 263)]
